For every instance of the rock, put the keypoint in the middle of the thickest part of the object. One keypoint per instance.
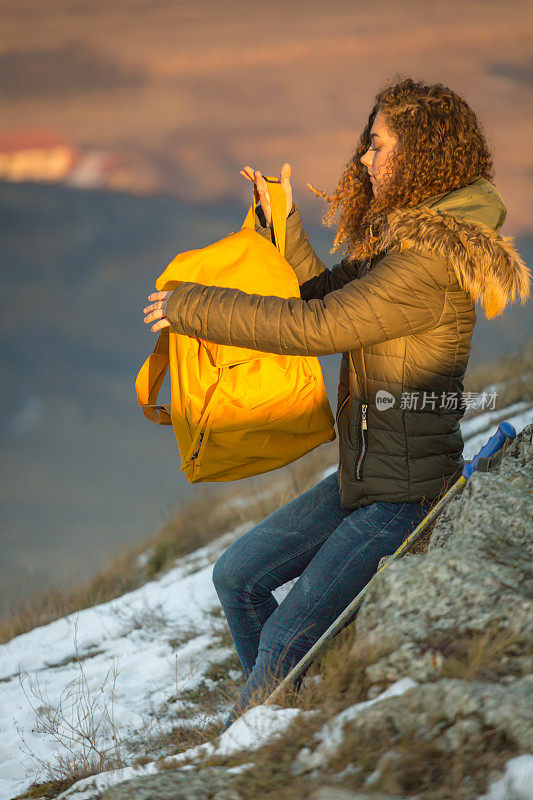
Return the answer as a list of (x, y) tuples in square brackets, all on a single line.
[(209, 783), (387, 760), (349, 771), (328, 792), (446, 711), (227, 794), (473, 582)]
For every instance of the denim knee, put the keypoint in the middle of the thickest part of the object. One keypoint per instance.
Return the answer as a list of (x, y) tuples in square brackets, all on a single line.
[(221, 573), (228, 573)]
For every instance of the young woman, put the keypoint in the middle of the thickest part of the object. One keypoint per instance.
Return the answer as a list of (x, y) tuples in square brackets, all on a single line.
[(418, 220)]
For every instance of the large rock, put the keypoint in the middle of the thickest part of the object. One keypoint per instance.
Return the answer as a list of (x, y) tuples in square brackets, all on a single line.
[(471, 591), (449, 712), (209, 783)]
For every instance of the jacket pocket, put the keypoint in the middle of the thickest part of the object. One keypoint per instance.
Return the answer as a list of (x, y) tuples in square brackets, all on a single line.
[(346, 400), (362, 432)]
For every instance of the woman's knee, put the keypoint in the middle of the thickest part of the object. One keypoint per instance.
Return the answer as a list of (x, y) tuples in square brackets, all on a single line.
[(228, 573)]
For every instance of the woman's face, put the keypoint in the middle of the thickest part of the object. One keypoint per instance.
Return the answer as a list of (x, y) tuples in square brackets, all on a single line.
[(383, 145)]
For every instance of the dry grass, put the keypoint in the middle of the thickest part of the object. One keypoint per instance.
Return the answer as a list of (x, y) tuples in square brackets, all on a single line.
[(81, 723), (477, 656), (335, 680), (216, 690), (47, 790), (46, 605), (406, 764), (422, 544), (401, 764), (337, 677), (514, 373)]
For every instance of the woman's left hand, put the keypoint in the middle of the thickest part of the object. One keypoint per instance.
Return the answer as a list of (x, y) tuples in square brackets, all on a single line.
[(157, 310)]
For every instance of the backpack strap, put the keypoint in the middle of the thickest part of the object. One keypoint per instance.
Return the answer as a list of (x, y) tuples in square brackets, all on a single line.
[(278, 205), (149, 380)]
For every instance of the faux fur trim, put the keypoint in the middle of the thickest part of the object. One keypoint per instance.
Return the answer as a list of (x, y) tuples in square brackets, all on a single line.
[(487, 265)]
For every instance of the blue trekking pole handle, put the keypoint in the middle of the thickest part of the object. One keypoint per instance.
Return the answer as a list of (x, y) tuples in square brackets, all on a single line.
[(488, 451)]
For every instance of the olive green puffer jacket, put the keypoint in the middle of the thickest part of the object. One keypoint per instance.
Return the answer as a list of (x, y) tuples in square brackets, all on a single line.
[(403, 321)]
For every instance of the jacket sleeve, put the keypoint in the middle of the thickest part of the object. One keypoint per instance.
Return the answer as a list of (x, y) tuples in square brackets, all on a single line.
[(402, 294), (315, 279)]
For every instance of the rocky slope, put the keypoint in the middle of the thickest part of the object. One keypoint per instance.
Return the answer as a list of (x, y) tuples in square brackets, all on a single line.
[(448, 711)]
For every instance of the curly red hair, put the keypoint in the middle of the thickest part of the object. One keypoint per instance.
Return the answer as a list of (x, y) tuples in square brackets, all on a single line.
[(441, 147)]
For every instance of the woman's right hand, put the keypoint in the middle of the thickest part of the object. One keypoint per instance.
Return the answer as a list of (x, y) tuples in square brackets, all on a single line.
[(261, 185)]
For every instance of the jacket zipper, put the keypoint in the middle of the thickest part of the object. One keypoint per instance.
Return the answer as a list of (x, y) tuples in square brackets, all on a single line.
[(364, 441), (340, 409)]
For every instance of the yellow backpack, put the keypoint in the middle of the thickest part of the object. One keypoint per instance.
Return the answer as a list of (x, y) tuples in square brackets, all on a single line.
[(236, 412)]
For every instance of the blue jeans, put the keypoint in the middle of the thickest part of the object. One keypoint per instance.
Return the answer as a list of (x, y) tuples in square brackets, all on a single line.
[(334, 551)]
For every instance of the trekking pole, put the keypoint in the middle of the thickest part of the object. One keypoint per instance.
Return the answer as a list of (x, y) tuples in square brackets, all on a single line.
[(489, 456)]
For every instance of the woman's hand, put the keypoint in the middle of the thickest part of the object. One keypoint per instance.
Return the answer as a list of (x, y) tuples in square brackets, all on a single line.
[(157, 310), (261, 184)]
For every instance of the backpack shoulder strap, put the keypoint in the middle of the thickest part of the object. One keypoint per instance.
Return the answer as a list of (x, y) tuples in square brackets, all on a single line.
[(149, 380)]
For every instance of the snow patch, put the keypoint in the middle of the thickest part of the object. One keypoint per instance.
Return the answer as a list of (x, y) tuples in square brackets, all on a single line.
[(254, 729), (160, 638), (331, 734), (516, 783)]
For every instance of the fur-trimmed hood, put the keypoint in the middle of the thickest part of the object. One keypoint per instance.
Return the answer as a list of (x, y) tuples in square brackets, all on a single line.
[(461, 227)]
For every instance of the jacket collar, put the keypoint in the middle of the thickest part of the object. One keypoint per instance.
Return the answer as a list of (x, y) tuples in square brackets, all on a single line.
[(461, 227)]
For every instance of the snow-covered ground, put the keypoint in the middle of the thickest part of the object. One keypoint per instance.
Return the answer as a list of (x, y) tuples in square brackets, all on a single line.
[(138, 636), (129, 659)]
